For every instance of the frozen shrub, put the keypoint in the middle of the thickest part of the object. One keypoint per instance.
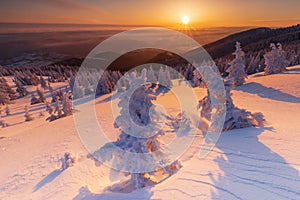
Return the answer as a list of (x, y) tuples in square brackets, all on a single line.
[(67, 161)]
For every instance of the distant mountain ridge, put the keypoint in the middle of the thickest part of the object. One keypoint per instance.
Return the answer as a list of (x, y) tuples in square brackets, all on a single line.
[(253, 40)]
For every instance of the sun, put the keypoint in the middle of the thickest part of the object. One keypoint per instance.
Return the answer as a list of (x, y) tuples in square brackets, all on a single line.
[(185, 20)]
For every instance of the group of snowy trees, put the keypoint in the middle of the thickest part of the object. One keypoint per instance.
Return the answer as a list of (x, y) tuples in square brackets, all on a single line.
[(3, 124), (255, 60), (6, 92), (60, 107), (40, 99), (275, 60), (112, 80), (235, 117), (62, 102), (28, 75), (88, 83), (27, 115)]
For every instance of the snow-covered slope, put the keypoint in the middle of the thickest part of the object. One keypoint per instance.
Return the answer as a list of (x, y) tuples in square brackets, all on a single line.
[(252, 163)]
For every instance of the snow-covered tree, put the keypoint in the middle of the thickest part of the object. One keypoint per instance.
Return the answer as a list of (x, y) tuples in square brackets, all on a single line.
[(3, 124), (237, 67), (282, 62), (161, 77), (58, 109), (168, 80), (77, 90), (21, 89), (142, 140), (120, 86), (67, 104), (54, 96), (27, 115), (151, 75), (105, 84), (235, 117), (43, 82), (40, 99), (4, 97), (188, 72), (34, 99), (40, 92), (72, 80), (254, 63), (197, 78), (270, 61), (7, 110), (50, 87), (144, 73), (50, 110)]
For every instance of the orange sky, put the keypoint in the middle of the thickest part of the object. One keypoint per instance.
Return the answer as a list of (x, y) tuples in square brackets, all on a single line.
[(203, 13)]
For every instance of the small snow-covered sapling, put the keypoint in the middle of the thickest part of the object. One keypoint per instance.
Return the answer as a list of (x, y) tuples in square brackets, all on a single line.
[(27, 115)]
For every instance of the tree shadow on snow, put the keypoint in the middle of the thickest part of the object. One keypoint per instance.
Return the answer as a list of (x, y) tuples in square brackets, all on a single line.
[(268, 92), (251, 170), (292, 71), (47, 179), (33, 108), (110, 98), (140, 194)]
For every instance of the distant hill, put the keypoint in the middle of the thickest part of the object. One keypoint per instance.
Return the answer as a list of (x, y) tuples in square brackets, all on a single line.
[(253, 40), (127, 61)]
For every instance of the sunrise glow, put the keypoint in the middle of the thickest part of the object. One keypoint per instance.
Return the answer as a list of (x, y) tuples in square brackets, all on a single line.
[(185, 20)]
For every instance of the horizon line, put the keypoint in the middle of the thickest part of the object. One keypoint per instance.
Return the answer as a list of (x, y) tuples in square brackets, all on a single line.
[(140, 25)]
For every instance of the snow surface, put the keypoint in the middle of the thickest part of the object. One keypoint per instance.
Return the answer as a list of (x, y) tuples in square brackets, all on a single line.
[(252, 163)]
